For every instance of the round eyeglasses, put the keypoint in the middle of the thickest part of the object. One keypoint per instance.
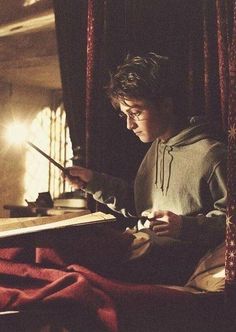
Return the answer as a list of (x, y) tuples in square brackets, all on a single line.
[(136, 116)]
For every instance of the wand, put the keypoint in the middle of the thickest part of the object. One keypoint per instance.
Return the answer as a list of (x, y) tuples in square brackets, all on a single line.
[(54, 162)]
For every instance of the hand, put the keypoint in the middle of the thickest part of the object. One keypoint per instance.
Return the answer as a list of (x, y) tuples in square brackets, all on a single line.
[(166, 223), (78, 176)]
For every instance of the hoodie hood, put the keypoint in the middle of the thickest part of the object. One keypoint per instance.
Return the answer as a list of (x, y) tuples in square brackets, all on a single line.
[(165, 155), (169, 164), (196, 131)]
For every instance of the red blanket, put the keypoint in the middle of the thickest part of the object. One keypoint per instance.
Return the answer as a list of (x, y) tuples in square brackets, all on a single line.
[(117, 306), (48, 279)]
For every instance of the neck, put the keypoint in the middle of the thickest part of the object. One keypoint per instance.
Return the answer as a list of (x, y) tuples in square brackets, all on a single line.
[(173, 129)]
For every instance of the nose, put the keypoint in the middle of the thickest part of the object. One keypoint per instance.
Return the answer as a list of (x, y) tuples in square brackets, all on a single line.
[(130, 123)]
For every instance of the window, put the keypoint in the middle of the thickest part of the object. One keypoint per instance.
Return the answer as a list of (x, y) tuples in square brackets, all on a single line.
[(51, 134)]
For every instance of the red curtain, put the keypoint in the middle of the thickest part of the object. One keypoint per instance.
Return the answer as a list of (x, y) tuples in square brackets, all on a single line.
[(71, 27), (231, 208)]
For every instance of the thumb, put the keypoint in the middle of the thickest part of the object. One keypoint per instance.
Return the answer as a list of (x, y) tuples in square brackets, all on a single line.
[(159, 214)]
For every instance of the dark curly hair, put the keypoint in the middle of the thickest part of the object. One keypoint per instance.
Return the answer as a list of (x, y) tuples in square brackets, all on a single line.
[(146, 77)]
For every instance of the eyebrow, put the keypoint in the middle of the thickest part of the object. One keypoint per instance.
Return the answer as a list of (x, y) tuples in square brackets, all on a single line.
[(132, 107)]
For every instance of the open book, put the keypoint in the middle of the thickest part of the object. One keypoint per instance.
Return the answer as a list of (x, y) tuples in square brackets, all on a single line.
[(18, 226)]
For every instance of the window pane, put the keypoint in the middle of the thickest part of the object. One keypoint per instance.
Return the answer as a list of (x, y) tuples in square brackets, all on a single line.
[(51, 134)]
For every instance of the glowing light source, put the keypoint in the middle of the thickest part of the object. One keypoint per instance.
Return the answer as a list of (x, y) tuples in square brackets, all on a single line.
[(220, 273), (16, 133), (30, 2), (49, 131)]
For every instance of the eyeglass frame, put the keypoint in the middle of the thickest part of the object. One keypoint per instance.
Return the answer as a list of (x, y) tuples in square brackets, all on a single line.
[(131, 115), (135, 114)]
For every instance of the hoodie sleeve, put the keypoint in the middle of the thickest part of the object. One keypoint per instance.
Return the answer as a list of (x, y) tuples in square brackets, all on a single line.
[(209, 229), (114, 192)]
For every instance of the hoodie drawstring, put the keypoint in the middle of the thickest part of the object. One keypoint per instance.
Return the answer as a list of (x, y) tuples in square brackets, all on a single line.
[(162, 168), (156, 179), (162, 173), (170, 163)]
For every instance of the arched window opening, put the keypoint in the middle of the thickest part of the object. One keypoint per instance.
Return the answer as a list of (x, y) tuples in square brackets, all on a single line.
[(50, 133)]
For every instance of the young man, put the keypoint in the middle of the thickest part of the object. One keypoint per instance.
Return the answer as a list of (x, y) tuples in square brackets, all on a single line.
[(180, 186)]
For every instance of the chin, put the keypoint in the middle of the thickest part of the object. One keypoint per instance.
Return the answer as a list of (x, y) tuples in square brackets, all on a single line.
[(146, 139)]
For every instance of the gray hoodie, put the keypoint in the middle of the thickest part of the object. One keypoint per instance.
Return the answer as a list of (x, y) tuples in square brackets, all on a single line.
[(185, 175)]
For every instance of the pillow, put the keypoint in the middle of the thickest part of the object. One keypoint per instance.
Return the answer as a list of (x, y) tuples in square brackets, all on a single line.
[(209, 275)]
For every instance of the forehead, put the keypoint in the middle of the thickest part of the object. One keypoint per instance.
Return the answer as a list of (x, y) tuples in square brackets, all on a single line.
[(129, 104)]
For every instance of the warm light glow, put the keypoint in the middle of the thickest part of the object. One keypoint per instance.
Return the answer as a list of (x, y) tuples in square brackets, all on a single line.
[(30, 2), (16, 133), (219, 274), (49, 132)]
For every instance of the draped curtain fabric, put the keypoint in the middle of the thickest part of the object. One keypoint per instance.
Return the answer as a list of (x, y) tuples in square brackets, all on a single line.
[(231, 208), (197, 34), (71, 27), (94, 82), (224, 37)]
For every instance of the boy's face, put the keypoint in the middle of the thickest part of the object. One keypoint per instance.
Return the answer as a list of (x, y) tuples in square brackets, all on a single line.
[(146, 120)]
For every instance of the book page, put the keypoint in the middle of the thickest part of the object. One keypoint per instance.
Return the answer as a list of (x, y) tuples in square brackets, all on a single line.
[(32, 225), (43, 219)]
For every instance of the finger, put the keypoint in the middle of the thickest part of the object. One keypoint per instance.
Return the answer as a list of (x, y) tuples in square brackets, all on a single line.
[(157, 222), (72, 175), (160, 213), (77, 184), (72, 172), (80, 184), (160, 228), (164, 233), (75, 172), (160, 231)]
